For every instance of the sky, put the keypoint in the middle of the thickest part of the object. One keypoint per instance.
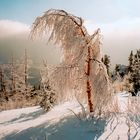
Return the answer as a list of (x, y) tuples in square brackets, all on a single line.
[(102, 11), (119, 20)]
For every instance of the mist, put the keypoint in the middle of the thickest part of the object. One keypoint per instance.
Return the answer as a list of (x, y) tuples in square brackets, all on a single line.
[(14, 41), (118, 38)]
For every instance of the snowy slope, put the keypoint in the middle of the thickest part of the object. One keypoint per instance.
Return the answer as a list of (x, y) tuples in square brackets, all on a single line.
[(21, 119), (60, 124)]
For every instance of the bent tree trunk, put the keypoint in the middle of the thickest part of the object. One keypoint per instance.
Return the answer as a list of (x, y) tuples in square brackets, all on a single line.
[(88, 69)]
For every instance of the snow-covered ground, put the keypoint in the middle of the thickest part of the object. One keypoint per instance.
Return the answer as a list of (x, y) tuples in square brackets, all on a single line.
[(61, 124)]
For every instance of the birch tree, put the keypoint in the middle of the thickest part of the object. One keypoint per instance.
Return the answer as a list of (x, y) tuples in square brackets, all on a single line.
[(81, 70)]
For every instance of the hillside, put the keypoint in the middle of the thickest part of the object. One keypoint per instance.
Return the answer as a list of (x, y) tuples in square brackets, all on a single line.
[(61, 123)]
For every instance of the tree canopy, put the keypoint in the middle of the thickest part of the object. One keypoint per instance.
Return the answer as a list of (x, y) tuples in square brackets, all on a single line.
[(82, 58)]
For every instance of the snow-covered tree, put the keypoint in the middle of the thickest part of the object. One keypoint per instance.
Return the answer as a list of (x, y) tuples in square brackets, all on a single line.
[(2, 83), (135, 75), (134, 69), (13, 75), (127, 86), (48, 95), (130, 59), (81, 70), (106, 61), (22, 75)]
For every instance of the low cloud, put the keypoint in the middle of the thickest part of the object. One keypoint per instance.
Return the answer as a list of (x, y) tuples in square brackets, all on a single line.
[(14, 38), (119, 38), (10, 28)]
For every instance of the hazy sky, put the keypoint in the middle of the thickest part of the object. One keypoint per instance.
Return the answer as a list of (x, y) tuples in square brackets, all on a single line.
[(119, 20)]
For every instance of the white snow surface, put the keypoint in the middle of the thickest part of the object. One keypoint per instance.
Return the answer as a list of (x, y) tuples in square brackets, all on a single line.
[(123, 101), (18, 120), (60, 123)]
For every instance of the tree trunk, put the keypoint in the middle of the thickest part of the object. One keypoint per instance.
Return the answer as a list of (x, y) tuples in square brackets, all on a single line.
[(88, 70)]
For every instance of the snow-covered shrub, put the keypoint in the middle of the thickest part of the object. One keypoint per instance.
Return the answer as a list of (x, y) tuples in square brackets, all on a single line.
[(134, 105), (48, 99)]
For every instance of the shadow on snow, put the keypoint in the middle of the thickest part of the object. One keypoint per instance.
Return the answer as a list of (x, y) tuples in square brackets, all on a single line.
[(25, 117), (66, 129)]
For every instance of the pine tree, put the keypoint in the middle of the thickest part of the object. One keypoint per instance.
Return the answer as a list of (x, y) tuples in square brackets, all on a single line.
[(106, 61), (1, 80), (134, 68), (131, 58), (126, 83), (13, 74), (117, 69), (136, 72), (19, 77), (48, 96), (3, 83)]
